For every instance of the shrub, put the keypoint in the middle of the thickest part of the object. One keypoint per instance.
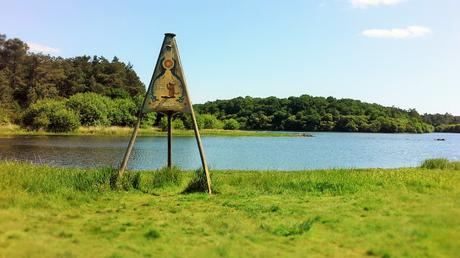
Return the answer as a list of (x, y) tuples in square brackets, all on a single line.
[(122, 112), (51, 115), (187, 120), (199, 121), (64, 120), (149, 119), (92, 108), (211, 122), (41, 121), (4, 118), (231, 124), (176, 123), (203, 121)]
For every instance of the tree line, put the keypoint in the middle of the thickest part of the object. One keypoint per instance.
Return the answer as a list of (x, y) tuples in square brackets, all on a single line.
[(26, 77), (307, 113), (443, 122), (59, 94)]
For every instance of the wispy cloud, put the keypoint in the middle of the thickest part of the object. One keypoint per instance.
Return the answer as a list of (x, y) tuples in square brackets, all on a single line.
[(38, 48), (367, 3), (397, 33)]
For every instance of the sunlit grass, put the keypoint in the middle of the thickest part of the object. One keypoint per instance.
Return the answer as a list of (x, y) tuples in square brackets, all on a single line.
[(60, 212)]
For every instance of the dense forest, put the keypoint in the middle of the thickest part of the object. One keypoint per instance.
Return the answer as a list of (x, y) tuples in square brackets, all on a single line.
[(27, 77), (307, 113), (60, 94)]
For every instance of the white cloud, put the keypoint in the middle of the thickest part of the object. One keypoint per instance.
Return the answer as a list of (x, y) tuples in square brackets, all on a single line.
[(367, 3), (397, 33), (37, 48)]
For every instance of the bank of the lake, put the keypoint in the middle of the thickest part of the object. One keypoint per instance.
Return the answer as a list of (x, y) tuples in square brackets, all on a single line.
[(11, 130), (69, 212)]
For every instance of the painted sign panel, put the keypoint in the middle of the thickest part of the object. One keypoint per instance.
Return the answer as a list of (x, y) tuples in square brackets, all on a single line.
[(167, 92)]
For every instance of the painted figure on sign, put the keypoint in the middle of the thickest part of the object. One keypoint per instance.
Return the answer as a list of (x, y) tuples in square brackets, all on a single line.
[(171, 89)]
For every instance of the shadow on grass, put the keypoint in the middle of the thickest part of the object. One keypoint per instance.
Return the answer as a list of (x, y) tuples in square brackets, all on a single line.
[(291, 230), (198, 184)]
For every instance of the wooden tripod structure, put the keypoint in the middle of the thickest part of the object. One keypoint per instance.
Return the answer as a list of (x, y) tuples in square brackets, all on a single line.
[(167, 94)]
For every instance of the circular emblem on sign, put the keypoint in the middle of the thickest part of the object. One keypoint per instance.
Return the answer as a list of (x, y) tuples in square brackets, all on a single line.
[(168, 63)]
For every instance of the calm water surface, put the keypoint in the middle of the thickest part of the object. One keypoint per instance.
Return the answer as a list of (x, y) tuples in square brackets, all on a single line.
[(324, 150)]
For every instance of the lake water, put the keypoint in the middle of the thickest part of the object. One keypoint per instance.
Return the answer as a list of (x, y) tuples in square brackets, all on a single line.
[(324, 150)]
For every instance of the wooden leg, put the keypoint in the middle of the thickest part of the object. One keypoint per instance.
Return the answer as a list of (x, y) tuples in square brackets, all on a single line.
[(124, 163), (202, 156), (169, 140)]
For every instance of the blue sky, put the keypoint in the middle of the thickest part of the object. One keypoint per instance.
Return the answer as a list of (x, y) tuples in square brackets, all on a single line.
[(393, 52)]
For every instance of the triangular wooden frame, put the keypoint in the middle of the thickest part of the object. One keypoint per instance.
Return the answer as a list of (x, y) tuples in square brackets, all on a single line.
[(185, 106)]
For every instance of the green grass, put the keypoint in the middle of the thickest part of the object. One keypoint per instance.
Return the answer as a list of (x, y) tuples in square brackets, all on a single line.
[(165, 177), (61, 212), (440, 164), (8, 130)]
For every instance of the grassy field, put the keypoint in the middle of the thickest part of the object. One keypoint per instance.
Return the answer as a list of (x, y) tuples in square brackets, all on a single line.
[(8, 130), (58, 212)]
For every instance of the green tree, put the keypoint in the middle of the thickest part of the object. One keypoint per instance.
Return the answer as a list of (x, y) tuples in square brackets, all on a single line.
[(231, 124), (51, 115), (122, 112), (92, 108), (210, 122), (26, 77)]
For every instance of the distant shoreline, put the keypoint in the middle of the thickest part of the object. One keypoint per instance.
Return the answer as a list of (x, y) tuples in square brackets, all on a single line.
[(15, 130)]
